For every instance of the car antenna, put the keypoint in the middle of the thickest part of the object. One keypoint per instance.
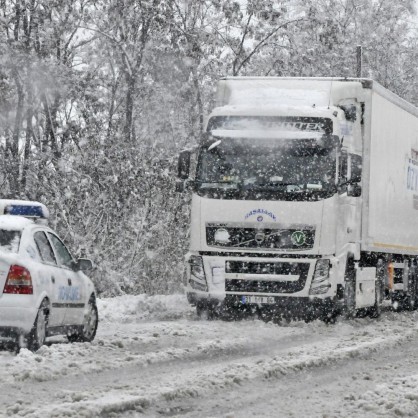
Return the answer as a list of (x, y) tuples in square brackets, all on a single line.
[(329, 96)]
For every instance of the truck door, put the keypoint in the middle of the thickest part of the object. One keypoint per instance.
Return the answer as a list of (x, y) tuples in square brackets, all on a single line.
[(72, 292), (349, 207)]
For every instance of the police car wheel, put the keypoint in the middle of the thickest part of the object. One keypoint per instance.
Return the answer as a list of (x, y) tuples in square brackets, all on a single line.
[(88, 329), (36, 337)]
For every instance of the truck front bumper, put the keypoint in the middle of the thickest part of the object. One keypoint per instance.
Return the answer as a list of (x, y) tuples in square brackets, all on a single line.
[(300, 307)]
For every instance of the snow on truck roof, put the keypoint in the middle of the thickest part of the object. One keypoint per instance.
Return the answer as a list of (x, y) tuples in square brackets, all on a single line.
[(256, 109), (286, 91), (265, 134), (301, 91)]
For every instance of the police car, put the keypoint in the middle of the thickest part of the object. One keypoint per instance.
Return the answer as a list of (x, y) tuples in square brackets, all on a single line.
[(43, 289)]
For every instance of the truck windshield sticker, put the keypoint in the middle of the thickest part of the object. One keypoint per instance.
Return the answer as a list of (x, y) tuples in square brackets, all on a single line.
[(288, 123), (412, 176), (259, 213), (412, 173)]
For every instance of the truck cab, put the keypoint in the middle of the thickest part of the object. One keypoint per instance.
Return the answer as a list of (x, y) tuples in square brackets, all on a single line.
[(277, 199)]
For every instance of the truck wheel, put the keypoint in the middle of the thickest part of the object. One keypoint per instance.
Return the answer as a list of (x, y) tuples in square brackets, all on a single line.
[(329, 313), (349, 308), (410, 301), (350, 300), (375, 311), (205, 311), (37, 335)]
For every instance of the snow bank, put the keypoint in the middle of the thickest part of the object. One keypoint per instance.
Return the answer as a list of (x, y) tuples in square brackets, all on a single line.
[(131, 308)]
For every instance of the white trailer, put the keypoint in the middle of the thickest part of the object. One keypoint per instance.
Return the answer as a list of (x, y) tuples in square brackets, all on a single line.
[(304, 198)]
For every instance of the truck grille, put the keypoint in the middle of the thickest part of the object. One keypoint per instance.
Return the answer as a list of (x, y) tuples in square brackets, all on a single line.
[(289, 239), (264, 286)]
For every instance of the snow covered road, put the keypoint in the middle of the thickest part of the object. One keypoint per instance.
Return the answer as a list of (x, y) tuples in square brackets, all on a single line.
[(152, 357)]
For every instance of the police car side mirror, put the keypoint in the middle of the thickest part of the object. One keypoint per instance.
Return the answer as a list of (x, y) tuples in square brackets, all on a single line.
[(84, 264)]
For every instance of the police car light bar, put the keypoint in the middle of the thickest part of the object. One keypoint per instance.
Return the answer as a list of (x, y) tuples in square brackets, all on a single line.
[(24, 208)]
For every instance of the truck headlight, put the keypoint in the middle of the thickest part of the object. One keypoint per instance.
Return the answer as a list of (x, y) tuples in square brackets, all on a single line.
[(320, 281), (197, 273)]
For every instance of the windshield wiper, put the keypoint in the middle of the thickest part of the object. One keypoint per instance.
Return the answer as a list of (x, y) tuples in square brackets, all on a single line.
[(229, 184), (267, 186)]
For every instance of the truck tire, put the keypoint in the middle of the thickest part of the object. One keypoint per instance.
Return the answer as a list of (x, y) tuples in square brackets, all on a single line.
[(411, 298), (375, 311), (350, 290), (205, 311), (350, 311)]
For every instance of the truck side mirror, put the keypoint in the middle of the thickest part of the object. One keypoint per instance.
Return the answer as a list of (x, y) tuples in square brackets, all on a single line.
[(183, 167), (354, 190), (356, 168)]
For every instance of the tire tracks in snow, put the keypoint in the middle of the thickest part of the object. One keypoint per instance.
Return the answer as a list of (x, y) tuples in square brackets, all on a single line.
[(142, 387)]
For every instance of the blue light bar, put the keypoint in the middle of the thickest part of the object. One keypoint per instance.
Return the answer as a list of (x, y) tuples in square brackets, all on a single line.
[(24, 210)]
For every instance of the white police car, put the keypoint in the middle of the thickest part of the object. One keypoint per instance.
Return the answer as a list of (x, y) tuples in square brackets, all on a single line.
[(43, 290)]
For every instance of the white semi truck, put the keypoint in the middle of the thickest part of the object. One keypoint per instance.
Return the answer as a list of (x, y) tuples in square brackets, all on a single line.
[(304, 198)]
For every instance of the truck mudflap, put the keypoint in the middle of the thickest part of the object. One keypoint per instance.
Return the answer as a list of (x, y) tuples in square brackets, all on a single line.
[(365, 287)]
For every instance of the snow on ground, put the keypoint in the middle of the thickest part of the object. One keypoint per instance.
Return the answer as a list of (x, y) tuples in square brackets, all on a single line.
[(398, 397), (129, 308), (153, 351)]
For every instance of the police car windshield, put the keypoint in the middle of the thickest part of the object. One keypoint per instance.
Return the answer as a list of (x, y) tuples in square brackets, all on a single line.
[(9, 241), (304, 167)]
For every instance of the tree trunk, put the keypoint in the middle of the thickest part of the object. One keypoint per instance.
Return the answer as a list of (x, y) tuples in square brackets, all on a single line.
[(28, 140), (13, 153), (129, 111)]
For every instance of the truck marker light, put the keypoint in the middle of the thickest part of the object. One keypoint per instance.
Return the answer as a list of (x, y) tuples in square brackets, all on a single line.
[(391, 275), (19, 281)]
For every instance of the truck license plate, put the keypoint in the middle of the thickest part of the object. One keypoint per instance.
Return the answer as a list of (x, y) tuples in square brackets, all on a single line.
[(257, 299)]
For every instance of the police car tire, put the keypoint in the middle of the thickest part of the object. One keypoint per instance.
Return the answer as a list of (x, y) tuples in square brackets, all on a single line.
[(88, 330), (37, 335)]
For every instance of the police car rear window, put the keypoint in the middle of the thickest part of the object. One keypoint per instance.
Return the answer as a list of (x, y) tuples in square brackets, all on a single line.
[(9, 241)]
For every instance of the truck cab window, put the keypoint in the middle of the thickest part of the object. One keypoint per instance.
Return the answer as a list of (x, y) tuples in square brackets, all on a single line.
[(356, 168), (350, 170)]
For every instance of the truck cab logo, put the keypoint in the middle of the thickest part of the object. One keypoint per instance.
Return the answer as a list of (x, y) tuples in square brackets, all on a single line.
[(259, 237), (259, 213), (298, 238)]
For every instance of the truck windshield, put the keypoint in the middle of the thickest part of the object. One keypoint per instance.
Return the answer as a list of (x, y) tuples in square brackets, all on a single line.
[(263, 169)]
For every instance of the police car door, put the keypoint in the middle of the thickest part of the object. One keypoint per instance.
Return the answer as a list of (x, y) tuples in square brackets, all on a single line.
[(73, 292), (54, 276)]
